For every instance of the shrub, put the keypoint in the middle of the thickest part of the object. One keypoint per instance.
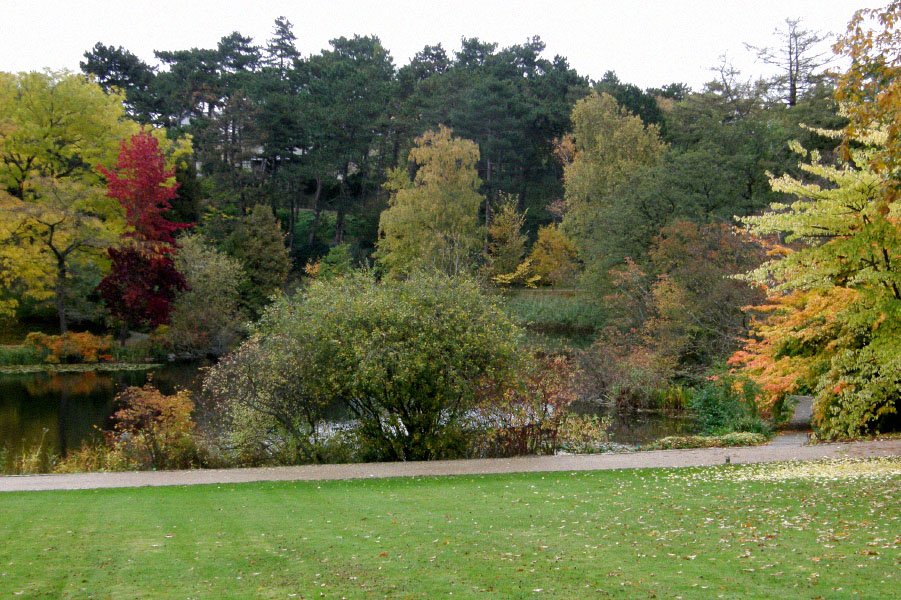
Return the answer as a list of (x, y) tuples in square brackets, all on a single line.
[(583, 434), (624, 373), (728, 405), (533, 416), (737, 438), (861, 392), (21, 355), (154, 430), (403, 357), (71, 347), (267, 400)]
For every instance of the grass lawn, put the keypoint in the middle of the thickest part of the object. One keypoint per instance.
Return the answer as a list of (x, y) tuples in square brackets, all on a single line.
[(813, 530)]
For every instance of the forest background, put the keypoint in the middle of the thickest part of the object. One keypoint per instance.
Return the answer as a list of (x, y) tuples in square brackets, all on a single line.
[(180, 199)]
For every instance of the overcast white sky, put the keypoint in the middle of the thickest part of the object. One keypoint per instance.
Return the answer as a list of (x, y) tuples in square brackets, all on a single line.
[(647, 42)]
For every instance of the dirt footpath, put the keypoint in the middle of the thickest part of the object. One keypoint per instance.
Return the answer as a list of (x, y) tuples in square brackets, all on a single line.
[(782, 448)]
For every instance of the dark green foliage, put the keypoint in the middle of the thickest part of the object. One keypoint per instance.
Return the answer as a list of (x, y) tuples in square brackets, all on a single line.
[(554, 312), (277, 128), (631, 97), (512, 102), (117, 68), (258, 242), (728, 405), (404, 357)]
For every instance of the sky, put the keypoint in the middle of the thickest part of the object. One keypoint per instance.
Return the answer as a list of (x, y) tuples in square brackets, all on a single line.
[(646, 42)]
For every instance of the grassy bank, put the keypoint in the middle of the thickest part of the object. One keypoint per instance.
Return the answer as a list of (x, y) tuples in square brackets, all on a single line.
[(22, 358), (553, 311), (783, 530)]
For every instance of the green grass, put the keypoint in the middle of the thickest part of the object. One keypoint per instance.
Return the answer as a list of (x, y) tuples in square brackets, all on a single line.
[(20, 355), (550, 311), (725, 532)]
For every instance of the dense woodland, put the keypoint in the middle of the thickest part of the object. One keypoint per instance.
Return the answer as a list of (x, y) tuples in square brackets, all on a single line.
[(475, 229)]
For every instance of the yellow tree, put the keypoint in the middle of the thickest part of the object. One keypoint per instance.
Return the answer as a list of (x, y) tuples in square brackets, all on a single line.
[(506, 241), (61, 231), (15, 262), (432, 221), (57, 125), (55, 129), (870, 90), (554, 259)]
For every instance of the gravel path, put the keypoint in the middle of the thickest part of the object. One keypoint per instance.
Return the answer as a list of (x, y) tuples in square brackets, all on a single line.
[(785, 447)]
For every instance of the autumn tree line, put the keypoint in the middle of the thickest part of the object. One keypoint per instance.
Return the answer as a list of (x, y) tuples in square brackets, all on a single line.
[(743, 236)]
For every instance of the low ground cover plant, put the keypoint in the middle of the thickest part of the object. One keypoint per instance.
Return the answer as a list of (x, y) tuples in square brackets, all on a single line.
[(726, 440)]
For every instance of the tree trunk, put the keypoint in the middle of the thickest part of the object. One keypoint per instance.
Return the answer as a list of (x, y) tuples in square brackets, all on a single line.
[(291, 202), (339, 223), (342, 206), (487, 201), (317, 211), (61, 295)]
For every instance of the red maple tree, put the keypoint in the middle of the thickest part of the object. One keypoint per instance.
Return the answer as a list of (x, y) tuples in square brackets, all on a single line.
[(143, 281)]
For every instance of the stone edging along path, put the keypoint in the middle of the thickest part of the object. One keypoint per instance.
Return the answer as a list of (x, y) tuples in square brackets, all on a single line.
[(783, 448)]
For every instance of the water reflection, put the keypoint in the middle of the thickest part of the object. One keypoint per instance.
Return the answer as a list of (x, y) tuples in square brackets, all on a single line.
[(63, 410)]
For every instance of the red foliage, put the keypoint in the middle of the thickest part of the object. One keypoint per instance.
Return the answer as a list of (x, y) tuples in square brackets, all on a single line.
[(141, 287), (139, 182), (143, 281)]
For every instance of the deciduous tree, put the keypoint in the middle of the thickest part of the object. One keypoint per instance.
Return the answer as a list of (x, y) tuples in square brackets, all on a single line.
[(62, 229), (849, 254), (432, 221), (870, 89), (610, 146), (144, 281), (206, 317), (57, 125)]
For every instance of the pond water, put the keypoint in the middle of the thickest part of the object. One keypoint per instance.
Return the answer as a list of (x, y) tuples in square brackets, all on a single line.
[(60, 411)]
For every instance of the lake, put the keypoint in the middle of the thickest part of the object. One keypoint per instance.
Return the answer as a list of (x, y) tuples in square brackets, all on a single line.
[(61, 411)]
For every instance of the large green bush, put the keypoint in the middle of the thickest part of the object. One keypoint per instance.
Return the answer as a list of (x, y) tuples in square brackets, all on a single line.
[(726, 406), (404, 358)]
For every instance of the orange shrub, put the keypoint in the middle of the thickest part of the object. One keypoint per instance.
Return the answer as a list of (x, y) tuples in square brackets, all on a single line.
[(156, 431), (72, 347)]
